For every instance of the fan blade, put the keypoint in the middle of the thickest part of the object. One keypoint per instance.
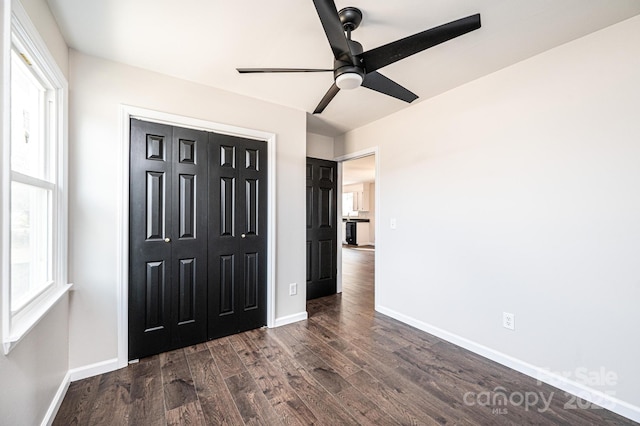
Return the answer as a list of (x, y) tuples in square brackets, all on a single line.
[(380, 83), (258, 70), (333, 29), (331, 93), (379, 57)]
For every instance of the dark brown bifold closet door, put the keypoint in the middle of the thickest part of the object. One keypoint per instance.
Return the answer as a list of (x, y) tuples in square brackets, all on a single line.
[(197, 237), (168, 238), (237, 234)]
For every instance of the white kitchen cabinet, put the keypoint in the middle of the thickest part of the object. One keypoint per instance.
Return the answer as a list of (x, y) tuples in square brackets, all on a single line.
[(362, 233)]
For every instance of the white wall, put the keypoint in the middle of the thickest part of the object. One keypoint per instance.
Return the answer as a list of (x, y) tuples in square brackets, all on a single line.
[(33, 372), (520, 192), (98, 88), (35, 369), (319, 146)]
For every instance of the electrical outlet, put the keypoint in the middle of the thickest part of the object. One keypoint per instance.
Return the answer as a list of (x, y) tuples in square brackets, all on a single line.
[(508, 320), (392, 223), (293, 289)]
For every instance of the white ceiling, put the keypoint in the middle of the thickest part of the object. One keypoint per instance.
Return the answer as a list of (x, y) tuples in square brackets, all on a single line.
[(205, 40), (359, 170)]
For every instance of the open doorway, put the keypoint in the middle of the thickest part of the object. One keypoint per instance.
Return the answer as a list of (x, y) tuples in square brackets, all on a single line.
[(358, 236)]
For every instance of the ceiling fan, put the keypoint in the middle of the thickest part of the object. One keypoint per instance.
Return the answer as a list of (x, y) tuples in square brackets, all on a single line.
[(353, 67)]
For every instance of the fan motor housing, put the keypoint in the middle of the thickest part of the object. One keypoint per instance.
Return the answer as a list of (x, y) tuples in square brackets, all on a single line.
[(341, 66)]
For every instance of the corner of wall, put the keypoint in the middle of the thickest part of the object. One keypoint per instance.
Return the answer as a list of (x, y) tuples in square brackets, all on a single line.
[(320, 146)]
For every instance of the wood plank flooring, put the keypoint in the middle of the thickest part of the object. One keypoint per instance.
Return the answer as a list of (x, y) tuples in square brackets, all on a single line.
[(345, 365)]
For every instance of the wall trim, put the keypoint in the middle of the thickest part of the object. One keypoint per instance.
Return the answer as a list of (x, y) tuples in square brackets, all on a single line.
[(289, 319), (95, 369), (52, 411), (126, 113), (582, 391)]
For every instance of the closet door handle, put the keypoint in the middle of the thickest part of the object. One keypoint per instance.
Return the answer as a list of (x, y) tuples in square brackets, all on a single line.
[(167, 240), (243, 235)]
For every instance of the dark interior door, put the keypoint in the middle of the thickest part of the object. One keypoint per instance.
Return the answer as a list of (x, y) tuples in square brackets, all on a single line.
[(197, 237), (168, 231), (237, 234), (322, 231)]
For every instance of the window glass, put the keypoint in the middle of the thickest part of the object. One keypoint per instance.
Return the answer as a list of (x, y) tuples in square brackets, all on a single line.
[(29, 142), (31, 250), (347, 203), (32, 186)]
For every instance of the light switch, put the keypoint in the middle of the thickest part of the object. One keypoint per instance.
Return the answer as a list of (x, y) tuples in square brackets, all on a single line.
[(393, 223)]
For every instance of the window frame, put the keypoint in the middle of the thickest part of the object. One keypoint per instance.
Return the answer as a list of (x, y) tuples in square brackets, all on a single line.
[(19, 31)]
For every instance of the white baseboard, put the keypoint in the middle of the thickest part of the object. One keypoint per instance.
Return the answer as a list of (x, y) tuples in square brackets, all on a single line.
[(113, 364), (50, 415), (300, 316), (580, 390), (94, 369), (73, 375)]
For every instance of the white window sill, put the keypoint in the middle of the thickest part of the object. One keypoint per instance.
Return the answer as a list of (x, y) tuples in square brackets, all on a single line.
[(26, 324)]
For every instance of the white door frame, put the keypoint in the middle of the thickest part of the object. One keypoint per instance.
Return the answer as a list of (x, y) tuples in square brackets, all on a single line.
[(341, 159), (126, 114)]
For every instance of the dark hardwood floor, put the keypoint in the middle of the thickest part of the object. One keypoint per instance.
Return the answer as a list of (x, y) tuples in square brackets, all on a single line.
[(345, 365)]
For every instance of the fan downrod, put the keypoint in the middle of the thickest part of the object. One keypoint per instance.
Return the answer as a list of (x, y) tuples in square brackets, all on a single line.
[(350, 18)]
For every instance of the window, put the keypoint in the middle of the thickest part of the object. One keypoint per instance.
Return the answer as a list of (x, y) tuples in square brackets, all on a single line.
[(347, 204), (33, 186)]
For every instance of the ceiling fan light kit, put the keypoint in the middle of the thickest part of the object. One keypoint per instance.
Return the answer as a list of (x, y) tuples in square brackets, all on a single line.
[(353, 67), (348, 80)]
